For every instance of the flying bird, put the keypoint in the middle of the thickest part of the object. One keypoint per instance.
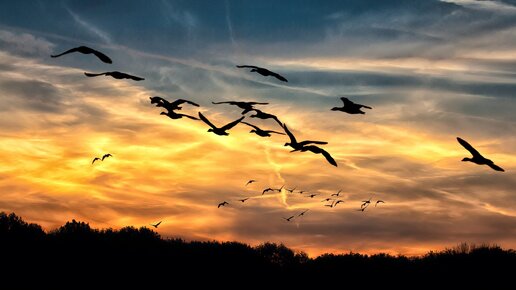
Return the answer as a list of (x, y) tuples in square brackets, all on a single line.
[(222, 130), (289, 218), (267, 190), (174, 116), (106, 156), (350, 107), (222, 204), (262, 115), (95, 159), (246, 106), (378, 201), (156, 225), (366, 203), (243, 200), (115, 74), (312, 195), (290, 190), (337, 194), (303, 213), (297, 146), (327, 199), (477, 157), (337, 202), (171, 106), (260, 132), (319, 150), (86, 50), (263, 71), (279, 189), (250, 181)]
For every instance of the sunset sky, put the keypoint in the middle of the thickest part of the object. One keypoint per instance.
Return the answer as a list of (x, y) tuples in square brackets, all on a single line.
[(431, 70)]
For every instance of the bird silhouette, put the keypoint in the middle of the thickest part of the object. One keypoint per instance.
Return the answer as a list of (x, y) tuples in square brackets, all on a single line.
[(106, 156), (279, 189), (243, 200), (222, 130), (95, 159), (260, 132), (366, 203), (337, 194), (350, 107), (337, 202), (115, 74), (297, 146), (222, 204), (263, 71), (290, 190), (303, 212), (267, 190), (312, 195), (246, 106), (171, 106), (477, 157), (264, 116), (86, 50), (250, 181), (302, 191), (319, 150), (173, 115), (378, 201), (156, 225), (289, 218), (327, 199)]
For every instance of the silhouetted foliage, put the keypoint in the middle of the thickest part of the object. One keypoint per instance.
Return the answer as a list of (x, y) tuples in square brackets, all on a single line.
[(79, 256)]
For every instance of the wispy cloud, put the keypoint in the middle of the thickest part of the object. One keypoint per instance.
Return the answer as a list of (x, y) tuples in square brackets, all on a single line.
[(92, 29)]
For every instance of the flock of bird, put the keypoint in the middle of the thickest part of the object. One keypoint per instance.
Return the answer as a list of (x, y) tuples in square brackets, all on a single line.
[(171, 108)]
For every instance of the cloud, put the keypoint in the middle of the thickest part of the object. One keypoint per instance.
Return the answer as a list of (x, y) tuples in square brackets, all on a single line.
[(24, 44), (92, 29)]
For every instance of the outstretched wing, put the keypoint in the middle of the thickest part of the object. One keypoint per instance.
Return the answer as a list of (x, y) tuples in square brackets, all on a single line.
[(276, 132), (188, 116), (232, 124), (304, 143), (251, 125), (290, 135), (66, 52), (364, 106), (248, 66), (328, 157), (93, 75), (257, 103), (206, 121), (134, 78), (468, 147), (95, 159), (158, 223), (346, 101), (279, 77), (218, 103), (101, 56), (181, 101), (495, 167)]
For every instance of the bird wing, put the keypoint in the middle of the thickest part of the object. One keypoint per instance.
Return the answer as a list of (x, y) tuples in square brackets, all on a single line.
[(180, 101), (468, 147), (495, 167), (158, 223), (248, 66), (346, 101), (324, 153), (95, 159), (66, 52), (206, 121), (364, 106), (279, 77), (218, 103), (251, 125), (101, 56), (93, 75), (232, 124), (188, 116), (304, 143), (257, 103), (290, 135), (276, 132), (134, 78)]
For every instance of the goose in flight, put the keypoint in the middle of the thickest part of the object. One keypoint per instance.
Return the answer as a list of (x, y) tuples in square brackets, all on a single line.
[(243, 200), (95, 159), (174, 116), (327, 199), (171, 106), (288, 219), (222, 204), (477, 157), (156, 225), (267, 190), (303, 212), (106, 156), (86, 50), (337, 194), (222, 130), (245, 106), (312, 195), (378, 201), (290, 190), (350, 107), (115, 74), (337, 202), (250, 181), (262, 115), (319, 150), (260, 132), (366, 203), (279, 189), (297, 146), (263, 71)]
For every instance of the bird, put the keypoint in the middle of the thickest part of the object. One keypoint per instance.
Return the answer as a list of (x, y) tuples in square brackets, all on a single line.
[(290, 190), (171, 106), (362, 209), (222, 130), (173, 115), (243, 200), (267, 190), (264, 72), (477, 157), (86, 50), (350, 107), (312, 195), (289, 218), (222, 204), (329, 205), (106, 156), (319, 150), (303, 212), (279, 189), (250, 181), (337, 202), (95, 159), (246, 106), (302, 191), (262, 115), (156, 225), (260, 132), (115, 74), (327, 199), (337, 194), (365, 203), (378, 201), (297, 146)]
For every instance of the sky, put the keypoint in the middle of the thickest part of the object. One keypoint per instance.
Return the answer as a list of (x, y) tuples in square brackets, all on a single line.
[(431, 71)]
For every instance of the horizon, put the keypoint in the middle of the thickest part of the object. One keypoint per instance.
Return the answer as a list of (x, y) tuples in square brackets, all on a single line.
[(431, 70)]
